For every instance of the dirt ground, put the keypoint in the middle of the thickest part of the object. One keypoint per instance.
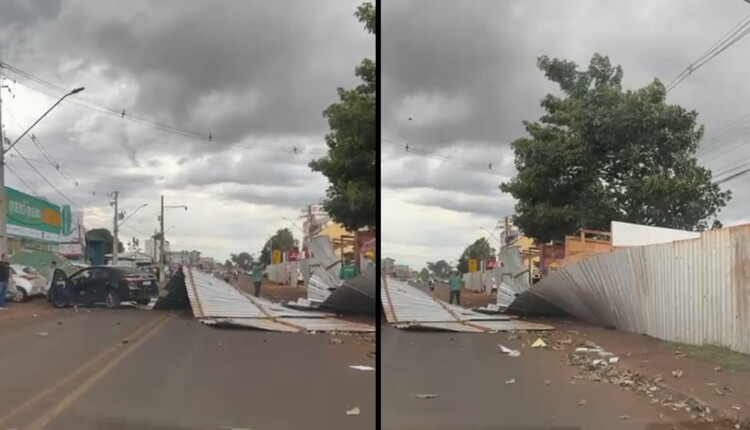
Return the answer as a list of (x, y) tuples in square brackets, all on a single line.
[(709, 376)]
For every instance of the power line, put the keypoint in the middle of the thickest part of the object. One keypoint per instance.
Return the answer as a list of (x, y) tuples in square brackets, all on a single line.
[(47, 180), (410, 149), (123, 114), (734, 35), (25, 183)]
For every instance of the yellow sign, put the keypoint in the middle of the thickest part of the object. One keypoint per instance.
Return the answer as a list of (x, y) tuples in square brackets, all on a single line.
[(276, 257), (472, 265)]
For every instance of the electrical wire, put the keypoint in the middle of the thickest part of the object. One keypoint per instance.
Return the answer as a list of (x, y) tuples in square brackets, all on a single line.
[(47, 180), (123, 114), (410, 149), (734, 35), (24, 182)]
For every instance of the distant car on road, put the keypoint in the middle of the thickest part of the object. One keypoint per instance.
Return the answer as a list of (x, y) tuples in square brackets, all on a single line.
[(110, 285)]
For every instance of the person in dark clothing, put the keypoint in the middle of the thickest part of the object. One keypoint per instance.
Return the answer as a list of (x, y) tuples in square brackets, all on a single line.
[(4, 279)]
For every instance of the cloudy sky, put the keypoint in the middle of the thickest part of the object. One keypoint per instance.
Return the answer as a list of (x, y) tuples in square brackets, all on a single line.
[(255, 75), (465, 73)]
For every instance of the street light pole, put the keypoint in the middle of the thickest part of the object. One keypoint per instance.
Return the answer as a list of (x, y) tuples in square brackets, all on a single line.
[(162, 257), (3, 196)]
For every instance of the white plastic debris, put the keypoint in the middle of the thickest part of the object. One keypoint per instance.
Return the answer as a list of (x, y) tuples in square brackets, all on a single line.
[(605, 354), (538, 343), (494, 307), (362, 368), (510, 352), (353, 411), (582, 349), (510, 381), (425, 396), (599, 361), (613, 360), (43, 334)]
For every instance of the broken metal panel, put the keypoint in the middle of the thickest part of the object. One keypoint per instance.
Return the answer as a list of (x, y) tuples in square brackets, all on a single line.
[(404, 303), (445, 326), (692, 291), (319, 284), (510, 325), (256, 323), (330, 324), (356, 295), (325, 256), (212, 297)]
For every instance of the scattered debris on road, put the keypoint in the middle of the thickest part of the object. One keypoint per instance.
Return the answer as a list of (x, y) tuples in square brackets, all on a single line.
[(510, 381), (353, 411), (539, 343), (362, 368), (624, 417), (582, 402), (335, 341), (425, 396), (43, 334), (547, 382), (510, 352), (677, 373)]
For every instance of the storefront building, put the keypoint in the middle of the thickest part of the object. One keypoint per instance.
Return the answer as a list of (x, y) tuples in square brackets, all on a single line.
[(32, 222)]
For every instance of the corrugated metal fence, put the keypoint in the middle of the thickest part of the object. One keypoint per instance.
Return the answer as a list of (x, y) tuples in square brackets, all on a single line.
[(693, 291), (283, 273)]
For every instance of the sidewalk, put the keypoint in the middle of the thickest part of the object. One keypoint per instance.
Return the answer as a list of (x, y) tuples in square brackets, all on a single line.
[(677, 376)]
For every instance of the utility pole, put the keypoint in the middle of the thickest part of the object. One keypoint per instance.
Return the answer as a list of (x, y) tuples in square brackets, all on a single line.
[(3, 151), (115, 248), (3, 197), (507, 232), (161, 242)]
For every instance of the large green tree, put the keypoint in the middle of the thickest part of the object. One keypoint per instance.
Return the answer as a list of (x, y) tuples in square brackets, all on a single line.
[(479, 250), (283, 241), (351, 165), (602, 154), (440, 269)]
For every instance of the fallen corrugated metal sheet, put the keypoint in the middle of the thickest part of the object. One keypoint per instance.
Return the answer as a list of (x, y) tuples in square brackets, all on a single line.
[(406, 306), (215, 302), (513, 292), (694, 291), (354, 295)]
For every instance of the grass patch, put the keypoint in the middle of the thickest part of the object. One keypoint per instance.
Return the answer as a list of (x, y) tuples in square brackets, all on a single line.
[(718, 355)]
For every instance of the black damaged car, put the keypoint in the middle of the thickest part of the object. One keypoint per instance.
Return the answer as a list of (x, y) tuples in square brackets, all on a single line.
[(110, 285)]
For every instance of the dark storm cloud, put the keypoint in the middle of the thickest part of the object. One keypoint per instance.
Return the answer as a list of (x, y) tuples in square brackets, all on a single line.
[(268, 66), (248, 73), (466, 71)]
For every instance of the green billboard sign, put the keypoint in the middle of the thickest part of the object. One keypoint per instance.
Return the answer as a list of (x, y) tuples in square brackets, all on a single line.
[(31, 217)]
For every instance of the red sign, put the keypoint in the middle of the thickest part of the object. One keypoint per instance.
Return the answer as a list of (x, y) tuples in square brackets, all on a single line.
[(490, 264), (293, 255)]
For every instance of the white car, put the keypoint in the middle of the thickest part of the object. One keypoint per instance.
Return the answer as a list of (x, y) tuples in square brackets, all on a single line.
[(38, 281), (23, 285)]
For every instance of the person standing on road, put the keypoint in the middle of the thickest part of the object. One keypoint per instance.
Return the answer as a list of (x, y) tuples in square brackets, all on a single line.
[(432, 284), (257, 278), (4, 279), (455, 282)]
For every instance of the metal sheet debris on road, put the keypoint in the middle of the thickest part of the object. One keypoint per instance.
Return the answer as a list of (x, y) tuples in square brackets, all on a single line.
[(408, 307), (215, 302)]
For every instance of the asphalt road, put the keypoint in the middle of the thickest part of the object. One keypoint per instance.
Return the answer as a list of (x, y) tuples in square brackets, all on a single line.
[(467, 375), (155, 370)]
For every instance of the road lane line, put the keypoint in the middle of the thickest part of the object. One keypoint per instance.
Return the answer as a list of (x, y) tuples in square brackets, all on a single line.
[(86, 385), (76, 373)]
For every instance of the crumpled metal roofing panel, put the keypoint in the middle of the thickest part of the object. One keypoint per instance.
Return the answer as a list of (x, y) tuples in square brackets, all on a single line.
[(408, 307), (356, 295), (212, 297), (404, 303), (330, 324)]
